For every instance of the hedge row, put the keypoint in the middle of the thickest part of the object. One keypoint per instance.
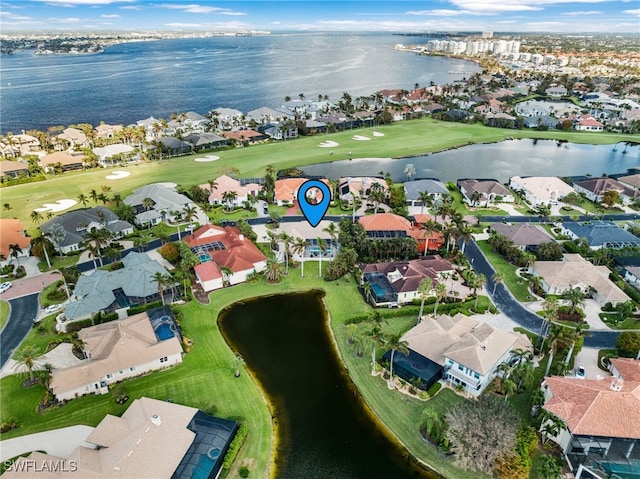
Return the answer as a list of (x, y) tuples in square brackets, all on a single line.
[(234, 448)]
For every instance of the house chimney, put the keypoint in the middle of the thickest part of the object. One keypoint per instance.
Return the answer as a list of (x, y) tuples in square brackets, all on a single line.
[(241, 236), (155, 419)]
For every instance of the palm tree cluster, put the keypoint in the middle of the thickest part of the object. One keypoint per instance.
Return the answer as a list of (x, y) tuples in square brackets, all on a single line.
[(516, 373), (506, 247)]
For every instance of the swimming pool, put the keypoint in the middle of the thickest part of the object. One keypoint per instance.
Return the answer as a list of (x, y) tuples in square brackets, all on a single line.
[(204, 257)]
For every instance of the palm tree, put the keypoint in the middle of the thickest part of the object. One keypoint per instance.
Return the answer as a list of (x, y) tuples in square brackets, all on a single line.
[(83, 199), (147, 203), (273, 271), (395, 343), (16, 251), (36, 216), (555, 335), (43, 242), (93, 194), (332, 231), (377, 337), (425, 200), (430, 419), (479, 282), (576, 299), (189, 212), (322, 244), (160, 279), (441, 293), (508, 387), (286, 241), (299, 245), (576, 334), (424, 290), (27, 359), (466, 233), (497, 279), (410, 171), (229, 197), (226, 274), (237, 363), (429, 227)]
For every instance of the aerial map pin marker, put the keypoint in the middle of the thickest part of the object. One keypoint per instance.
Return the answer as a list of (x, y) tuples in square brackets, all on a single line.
[(312, 209)]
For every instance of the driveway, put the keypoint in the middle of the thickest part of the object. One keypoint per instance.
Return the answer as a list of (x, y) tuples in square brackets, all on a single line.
[(58, 442), (30, 285)]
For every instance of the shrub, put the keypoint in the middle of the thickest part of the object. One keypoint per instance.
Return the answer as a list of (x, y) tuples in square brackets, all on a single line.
[(629, 343), (234, 447), (435, 387), (78, 325), (244, 471), (170, 252)]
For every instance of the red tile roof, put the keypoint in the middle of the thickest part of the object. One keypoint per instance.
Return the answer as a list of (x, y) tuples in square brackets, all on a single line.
[(385, 222), (12, 232), (592, 407), (287, 187), (208, 271), (629, 369)]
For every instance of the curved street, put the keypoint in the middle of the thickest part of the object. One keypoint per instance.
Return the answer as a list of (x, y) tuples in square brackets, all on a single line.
[(505, 302), (23, 310)]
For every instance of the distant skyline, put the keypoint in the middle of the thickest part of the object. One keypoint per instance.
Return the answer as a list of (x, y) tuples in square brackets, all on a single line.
[(559, 16)]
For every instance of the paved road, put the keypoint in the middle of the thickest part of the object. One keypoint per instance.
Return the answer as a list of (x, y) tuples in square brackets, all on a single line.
[(537, 219), (23, 310), (506, 303)]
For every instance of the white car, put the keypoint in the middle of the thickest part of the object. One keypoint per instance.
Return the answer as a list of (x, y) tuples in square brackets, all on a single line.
[(52, 309), (4, 287)]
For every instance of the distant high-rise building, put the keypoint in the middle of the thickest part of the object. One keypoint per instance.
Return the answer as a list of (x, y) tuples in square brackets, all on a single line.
[(487, 34)]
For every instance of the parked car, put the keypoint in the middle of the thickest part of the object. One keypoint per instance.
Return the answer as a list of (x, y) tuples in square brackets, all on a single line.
[(581, 373), (4, 286), (52, 308)]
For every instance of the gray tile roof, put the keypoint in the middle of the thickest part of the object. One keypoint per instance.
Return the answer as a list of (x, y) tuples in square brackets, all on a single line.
[(413, 188), (602, 233), (164, 198), (96, 290)]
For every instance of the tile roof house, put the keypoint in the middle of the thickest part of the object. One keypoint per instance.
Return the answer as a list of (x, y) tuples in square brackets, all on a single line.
[(488, 191), (75, 137), (165, 201), (219, 247), (469, 351), (523, 235), (226, 183), (68, 161), (152, 439), (436, 189), (13, 169), (174, 146), (540, 190), (600, 420), (594, 188), (536, 121), (115, 351), (286, 190), (205, 140), (107, 131), (574, 271), (112, 290), (77, 223), (12, 231), (279, 130), (631, 180), (359, 186), (588, 123), (398, 281), (600, 234), (244, 137), (265, 115), (115, 154), (384, 226)]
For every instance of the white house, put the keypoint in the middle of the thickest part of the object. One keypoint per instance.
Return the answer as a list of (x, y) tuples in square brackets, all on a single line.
[(115, 154), (540, 190)]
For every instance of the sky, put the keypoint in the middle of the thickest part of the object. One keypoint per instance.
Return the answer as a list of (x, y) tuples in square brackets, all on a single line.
[(560, 16)]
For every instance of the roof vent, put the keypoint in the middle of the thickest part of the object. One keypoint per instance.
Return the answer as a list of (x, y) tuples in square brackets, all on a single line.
[(241, 237), (155, 420), (616, 385)]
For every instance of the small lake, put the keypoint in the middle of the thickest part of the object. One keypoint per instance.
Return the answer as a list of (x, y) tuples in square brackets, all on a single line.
[(524, 157), (324, 429)]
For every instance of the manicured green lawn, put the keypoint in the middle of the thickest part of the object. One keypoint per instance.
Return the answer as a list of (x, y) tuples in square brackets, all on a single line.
[(611, 320), (400, 139), (516, 284), (461, 207), (4, 313)]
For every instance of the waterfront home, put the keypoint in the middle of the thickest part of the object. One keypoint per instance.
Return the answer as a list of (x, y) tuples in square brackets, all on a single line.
[(173, 146), (469, 352), (13, 169), (115, 154), (154, 127), (596, 424), (244, 137), (13, 232), (65, 159), (434, 188), (537, 121), (540, 190), (77, 223), (286, 190), (478, 192), (575, 272), (243, 189), (219, 249), (74, 137), (18, 145), (226, 118), (524, 235), (631, 180), (387, 226), (152, 439), (588, 123), (104, 130), (594, 188), (351, 187), (118, 350), (109, 291), (187, 122), (156, 203), (600, 234), (397, 282)]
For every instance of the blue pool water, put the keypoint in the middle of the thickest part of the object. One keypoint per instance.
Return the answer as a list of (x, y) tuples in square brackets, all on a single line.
[(204, 257), (164, 331)]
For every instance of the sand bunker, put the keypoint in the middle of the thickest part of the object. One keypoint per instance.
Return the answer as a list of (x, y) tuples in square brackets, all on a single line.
[(360, 138), (377, 133), (204, 159), (59, 205), (328, 144), (118, 175)]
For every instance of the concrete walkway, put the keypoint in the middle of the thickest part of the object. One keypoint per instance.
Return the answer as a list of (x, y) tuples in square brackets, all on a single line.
[(59, 357), (58, 442)]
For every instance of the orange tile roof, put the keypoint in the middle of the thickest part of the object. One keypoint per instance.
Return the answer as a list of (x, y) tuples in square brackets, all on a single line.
[(385, 222), (591, 407), (287, 187), (62, 157), (629, 369), (7, 166), (208, 271), (12, 232)]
